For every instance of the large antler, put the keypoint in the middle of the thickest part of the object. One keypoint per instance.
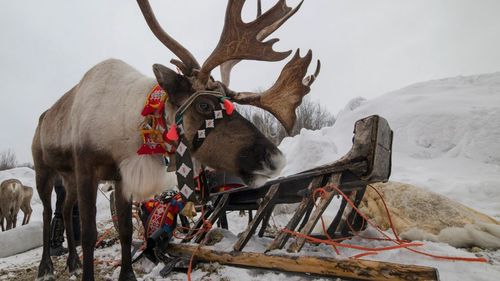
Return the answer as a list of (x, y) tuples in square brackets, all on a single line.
[(286, 94), (280, 17), (241, 40), (188, 62)]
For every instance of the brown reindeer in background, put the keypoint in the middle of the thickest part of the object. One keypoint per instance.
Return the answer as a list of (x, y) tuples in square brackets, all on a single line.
[(11, 197), (91, 133), (26, 203), (14, 196)]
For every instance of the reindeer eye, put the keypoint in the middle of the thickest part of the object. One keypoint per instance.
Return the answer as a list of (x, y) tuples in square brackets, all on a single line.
[(204, 107)]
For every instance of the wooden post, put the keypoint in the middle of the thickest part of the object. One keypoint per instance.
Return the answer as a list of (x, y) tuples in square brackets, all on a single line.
[(264, 208), (220, 209), (356, 269), (318, 211), (306, 203)]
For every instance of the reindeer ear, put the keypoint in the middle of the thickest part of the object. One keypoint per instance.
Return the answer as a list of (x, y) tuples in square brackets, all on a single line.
[(166, 77)]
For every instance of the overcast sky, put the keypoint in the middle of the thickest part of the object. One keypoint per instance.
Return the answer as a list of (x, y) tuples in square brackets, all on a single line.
[(367, 47)]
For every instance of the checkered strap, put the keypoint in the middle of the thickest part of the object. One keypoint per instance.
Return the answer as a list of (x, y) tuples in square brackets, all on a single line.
[(208, 126)]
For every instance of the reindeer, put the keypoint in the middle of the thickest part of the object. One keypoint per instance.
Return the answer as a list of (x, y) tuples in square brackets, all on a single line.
[(27, 194), (11, 197), (91, 132)]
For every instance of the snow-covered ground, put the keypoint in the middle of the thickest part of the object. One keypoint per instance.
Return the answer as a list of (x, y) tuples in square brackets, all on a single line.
[(446, 139)]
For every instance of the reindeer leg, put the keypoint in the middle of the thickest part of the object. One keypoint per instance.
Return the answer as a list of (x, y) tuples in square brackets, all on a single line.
[(44, 187), (87, 193), (124, 212), (30, 210), (14, 220), (73, 262), (8, 218)]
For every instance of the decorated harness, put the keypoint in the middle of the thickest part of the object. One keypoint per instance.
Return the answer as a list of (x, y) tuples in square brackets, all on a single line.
[(160, 139)]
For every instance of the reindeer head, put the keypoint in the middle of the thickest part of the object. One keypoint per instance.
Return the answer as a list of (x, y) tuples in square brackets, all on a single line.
[(234, 145)]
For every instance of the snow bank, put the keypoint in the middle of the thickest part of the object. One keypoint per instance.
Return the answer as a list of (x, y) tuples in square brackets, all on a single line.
[(446, 138), (21, 239), (27, 177)]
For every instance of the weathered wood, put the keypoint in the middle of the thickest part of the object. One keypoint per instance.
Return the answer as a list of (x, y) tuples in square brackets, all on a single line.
[(350, 222), (265, 221), (318, 211), (348, 268), (216, 214), (264, 208), (335, 223), (199, 223), (306, 203), (223, 221)]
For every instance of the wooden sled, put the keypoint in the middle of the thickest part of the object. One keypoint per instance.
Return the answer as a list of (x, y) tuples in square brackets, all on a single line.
[(368, 161)]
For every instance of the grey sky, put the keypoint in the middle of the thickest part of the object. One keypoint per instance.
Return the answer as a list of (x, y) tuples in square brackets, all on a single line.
[(367, 47)]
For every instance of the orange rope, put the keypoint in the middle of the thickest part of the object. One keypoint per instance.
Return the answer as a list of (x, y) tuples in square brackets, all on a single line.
[(387, 212), (207, 225), (330, 242), (369, 251), (103, 236)]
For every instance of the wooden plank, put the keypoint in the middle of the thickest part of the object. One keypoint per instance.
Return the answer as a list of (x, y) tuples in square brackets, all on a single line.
[(306, 203), (351, 218), (264, 208), (218, 211), (356, 269), (199, 223), (318, 211), (265, 222), (332, 229)]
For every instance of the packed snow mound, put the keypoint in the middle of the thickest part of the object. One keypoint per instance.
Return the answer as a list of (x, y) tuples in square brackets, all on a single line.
[(30, 235), (24, 174), (453, 117), (446, 138)]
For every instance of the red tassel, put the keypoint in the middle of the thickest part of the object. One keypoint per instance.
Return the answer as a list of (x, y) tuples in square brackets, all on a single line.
[(153, 149), (172, 135), (148, 109), (229, 106)]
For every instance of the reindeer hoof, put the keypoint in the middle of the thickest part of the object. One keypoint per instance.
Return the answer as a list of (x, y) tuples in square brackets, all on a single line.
[(127, 276), (77, 272), (74, 266), (49, 277), (46, 271)]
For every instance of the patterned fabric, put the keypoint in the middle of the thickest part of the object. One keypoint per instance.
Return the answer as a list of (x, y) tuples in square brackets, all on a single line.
[(153, 128), (163, 214)]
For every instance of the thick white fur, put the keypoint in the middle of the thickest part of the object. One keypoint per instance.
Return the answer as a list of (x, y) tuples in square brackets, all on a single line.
[(145, 172), (105, 116)]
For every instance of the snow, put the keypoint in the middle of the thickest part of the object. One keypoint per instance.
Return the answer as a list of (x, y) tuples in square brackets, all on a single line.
[(30, 234), (446, 139)]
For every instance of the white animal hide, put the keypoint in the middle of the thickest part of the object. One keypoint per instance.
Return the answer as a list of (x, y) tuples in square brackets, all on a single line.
[(486, 236)]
